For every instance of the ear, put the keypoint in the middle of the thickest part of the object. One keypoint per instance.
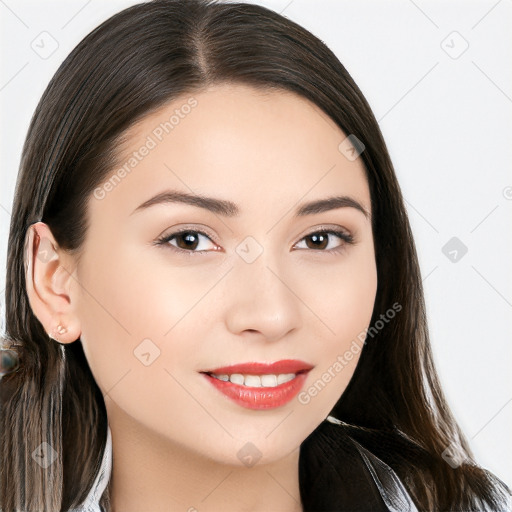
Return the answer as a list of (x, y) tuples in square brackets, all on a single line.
[(48, 277)]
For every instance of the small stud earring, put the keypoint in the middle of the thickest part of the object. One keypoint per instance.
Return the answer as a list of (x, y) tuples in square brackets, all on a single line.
[(61, 329)]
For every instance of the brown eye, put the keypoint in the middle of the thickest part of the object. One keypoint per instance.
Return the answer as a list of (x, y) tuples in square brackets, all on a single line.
[(319, 240), (187, 240)]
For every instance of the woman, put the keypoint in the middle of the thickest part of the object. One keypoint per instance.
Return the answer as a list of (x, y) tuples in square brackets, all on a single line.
[(212, 285)]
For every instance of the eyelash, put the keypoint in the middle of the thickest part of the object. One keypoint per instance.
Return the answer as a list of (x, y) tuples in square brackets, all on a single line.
[(345, 237)]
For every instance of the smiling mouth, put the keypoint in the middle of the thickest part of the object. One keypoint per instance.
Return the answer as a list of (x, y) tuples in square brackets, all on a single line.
[(268, 380), (260, 385)]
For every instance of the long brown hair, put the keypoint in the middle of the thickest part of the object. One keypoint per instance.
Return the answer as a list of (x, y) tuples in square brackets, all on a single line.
[(129, 66)]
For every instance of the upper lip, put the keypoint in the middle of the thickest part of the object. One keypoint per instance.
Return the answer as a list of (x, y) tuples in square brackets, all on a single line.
[(262, 368)]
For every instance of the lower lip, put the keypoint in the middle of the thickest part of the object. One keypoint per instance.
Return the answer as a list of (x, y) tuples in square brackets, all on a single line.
[(260, 398)]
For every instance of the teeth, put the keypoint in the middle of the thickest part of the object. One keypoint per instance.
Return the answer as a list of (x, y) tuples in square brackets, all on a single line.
[(253, 381), (237, 378), (284, 377), (269, 381), (256, 381)]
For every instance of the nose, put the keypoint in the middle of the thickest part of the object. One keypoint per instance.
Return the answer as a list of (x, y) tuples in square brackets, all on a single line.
[(260, 302)]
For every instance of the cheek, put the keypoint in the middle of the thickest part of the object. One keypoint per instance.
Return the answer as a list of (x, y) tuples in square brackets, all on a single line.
[(342, 296), (140, 295), (355, 300), (138, 341), (345, 309)]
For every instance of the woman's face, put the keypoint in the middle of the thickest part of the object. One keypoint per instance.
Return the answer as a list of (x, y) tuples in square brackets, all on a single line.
[(249, 282)]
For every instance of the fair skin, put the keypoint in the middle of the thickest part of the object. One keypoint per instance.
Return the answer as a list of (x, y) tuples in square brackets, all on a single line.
[(176, 437)]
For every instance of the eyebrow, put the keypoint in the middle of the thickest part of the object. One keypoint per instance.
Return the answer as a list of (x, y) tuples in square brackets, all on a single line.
[(229, 209)]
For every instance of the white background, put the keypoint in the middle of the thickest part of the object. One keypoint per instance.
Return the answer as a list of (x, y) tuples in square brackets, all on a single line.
[(447, 119)]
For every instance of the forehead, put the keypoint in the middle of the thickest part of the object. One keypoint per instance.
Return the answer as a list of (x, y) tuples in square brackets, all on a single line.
[(253, 146)]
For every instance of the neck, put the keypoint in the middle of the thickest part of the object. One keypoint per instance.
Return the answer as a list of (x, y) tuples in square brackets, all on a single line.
[(151, 472)]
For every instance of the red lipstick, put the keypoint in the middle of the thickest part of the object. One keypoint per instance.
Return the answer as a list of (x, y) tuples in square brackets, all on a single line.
[(260, 385)]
